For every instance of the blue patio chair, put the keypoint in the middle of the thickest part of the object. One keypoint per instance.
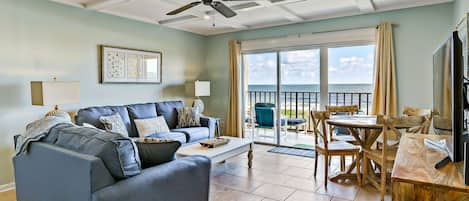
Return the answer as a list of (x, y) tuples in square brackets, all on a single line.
[(265, 118)]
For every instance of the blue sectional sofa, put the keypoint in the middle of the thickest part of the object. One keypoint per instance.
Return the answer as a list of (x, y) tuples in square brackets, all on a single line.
[(148, 110)]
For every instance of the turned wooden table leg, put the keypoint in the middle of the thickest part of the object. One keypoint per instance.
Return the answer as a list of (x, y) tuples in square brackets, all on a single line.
[(250, 156)]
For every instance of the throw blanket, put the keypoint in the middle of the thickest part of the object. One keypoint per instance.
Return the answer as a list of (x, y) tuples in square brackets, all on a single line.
[(38, 129)]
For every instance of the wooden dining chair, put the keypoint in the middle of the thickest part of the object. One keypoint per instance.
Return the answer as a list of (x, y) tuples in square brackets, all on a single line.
[(426, 113), (411, 124), (330, 148), (343, 133), (383, 157)]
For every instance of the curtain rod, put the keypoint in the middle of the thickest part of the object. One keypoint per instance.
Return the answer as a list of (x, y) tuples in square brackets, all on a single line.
[(318, 32)]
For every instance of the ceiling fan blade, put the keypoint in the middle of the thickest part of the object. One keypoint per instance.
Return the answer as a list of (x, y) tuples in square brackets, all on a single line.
[(183, 8), (223, 9)]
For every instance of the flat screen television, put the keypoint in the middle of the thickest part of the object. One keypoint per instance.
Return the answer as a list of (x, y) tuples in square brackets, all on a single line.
[(448, 96)]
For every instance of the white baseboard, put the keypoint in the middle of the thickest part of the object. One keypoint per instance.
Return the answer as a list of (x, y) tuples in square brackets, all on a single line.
[(7, 187)]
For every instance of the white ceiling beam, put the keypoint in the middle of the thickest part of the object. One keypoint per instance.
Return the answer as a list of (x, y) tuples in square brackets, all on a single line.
[(292, 17), (219, 20), (365, 6), (102, 4)]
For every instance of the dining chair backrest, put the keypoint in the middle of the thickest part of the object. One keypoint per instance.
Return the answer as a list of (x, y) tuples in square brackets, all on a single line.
[(265, 113), (342, 109), (319, 119), (413, 124), (415, 111), (390, 130)]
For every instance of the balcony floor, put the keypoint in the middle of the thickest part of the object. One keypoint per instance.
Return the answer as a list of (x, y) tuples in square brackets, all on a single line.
[(291, 138)]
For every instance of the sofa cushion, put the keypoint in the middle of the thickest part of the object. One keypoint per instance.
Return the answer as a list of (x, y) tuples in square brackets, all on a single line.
[(151, 125), (168, 109), (140, 111), (194, 133), (91, 116), (155, 151), (188, 117), (114, 123), (119, 154), (181, 137)]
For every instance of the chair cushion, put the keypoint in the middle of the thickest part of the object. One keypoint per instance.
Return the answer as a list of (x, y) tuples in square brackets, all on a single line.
[(118, 153), (91, 116), (194, 134), (140, 111), (294, 122), (168, 109), (337, 146), (181, 137)]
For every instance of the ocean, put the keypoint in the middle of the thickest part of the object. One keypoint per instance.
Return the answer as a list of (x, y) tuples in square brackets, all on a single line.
[(333, 88)]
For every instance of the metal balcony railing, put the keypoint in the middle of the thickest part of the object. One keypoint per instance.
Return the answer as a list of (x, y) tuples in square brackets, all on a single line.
[(298, 104)]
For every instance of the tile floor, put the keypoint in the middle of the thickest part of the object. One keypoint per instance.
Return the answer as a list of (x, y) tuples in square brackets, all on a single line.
[(276, 177)]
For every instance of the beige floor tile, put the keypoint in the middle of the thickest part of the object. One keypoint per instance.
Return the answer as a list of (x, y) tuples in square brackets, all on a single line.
[(370, 193), (236, 196), (299, 172), (344, 191), (268, 199), (339, 199), (236, 182), (308, 196), (273, 191), (303, 184)]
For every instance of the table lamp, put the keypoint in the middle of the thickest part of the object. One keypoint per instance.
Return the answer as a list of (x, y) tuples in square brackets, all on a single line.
[(55, 93), (202, 88)]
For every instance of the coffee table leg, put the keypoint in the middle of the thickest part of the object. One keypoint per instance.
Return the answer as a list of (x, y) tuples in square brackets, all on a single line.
[(250, 156)]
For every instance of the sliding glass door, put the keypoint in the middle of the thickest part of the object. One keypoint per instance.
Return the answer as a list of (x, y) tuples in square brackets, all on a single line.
[(282, 86), (299, 93), (260, 97)]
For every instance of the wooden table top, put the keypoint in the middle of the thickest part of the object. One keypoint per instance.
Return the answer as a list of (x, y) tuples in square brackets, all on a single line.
[(355, 121), (415, 164)]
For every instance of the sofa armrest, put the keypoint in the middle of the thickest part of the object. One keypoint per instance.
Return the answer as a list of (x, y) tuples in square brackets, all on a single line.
[(210, 123), (183, 179), (49, 172)]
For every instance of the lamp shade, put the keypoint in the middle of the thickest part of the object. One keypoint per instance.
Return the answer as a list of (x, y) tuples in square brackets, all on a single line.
[(202, 88), (55, 92)]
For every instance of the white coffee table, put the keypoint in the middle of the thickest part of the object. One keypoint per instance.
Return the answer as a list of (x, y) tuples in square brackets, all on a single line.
[(235, 147)]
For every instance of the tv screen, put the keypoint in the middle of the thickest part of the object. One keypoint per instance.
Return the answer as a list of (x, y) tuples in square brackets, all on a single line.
[(448, 97)]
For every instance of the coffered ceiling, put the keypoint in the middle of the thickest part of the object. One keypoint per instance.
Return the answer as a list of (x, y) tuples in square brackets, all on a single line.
[(250, 13)]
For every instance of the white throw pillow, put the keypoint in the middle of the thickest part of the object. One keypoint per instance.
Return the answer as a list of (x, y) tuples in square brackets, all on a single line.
[(150, 126), (114, 123)]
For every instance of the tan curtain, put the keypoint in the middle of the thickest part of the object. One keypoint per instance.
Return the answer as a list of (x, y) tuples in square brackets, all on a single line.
[(233, 120), (384, 93)]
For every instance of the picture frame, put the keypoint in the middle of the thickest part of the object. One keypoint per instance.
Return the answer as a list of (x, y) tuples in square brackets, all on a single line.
[(126, 65)]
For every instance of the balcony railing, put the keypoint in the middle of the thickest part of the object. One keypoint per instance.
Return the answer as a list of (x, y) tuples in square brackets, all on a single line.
[(298, 104)]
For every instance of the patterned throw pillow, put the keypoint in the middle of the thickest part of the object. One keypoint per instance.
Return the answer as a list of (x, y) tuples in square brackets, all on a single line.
[(188, 117), (150, 126), (114, 124)]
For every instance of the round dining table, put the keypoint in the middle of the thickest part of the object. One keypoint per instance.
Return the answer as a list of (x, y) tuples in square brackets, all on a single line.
[(366, 130)]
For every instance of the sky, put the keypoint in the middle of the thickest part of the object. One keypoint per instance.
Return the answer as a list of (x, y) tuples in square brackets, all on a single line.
[(346, 65)]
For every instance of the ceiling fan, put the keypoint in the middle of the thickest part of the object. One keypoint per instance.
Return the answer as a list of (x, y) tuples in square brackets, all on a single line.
[(217, 5)]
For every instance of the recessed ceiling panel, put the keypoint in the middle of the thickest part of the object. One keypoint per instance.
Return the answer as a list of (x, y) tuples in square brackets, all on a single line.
[(250, 14)]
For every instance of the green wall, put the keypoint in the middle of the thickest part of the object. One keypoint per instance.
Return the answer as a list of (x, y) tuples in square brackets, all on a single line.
[(461, 7), (40, 39), (419, 31)]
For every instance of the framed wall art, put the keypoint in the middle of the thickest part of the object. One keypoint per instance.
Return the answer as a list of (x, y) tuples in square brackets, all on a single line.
[(123, 65)]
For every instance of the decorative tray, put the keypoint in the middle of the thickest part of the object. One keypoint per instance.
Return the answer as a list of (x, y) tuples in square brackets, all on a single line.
[(216, 142)]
